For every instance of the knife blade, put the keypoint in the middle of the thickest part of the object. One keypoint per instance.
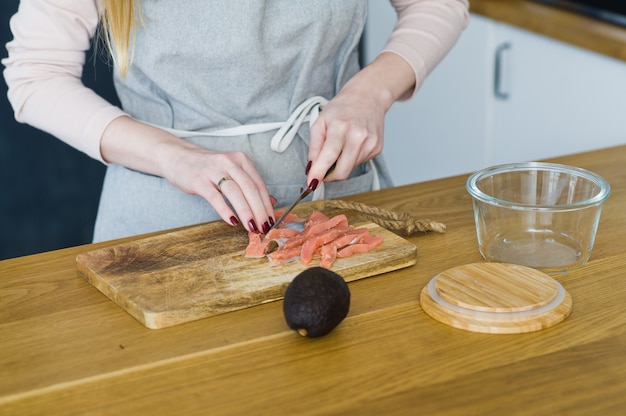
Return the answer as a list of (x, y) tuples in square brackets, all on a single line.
[(303, 195)]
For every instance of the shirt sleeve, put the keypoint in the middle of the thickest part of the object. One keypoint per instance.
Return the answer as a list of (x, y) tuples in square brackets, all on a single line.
[(425, 32), (44, 67)]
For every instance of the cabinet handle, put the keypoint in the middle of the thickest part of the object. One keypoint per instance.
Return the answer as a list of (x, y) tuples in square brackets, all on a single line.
[(497, 81)]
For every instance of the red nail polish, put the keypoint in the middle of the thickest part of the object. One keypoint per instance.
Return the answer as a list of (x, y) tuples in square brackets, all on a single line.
[(266, 227), (234, 220), (252, 226), (271, 220), (313, 184), (308, 167)]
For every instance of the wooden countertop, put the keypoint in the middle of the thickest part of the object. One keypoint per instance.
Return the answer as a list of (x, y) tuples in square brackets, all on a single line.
[(66, 349), (576, 29)]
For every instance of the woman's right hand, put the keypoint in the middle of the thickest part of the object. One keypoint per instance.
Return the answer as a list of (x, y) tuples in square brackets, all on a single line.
[(193, 169)]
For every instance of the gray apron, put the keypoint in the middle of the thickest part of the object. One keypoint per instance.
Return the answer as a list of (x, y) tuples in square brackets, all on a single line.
[(204, 70)]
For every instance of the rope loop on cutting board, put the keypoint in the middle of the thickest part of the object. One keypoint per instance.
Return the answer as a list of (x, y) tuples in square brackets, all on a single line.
[(404, 223)]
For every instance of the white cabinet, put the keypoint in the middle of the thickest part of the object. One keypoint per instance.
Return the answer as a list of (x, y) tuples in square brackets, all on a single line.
[(562, 99), (501, 95)]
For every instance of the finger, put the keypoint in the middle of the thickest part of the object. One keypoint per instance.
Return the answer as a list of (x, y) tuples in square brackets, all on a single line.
[(332, 153), (214, 196), (360, 145), (263, 211), (250, 199), (233, 193), (268, 200), (228, 189), (249, 204), (316, 142)]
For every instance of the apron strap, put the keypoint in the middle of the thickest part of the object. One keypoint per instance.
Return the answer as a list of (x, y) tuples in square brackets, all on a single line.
[(307, 111)]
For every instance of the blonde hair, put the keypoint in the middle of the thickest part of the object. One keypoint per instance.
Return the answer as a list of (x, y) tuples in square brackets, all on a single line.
[(119, 22)]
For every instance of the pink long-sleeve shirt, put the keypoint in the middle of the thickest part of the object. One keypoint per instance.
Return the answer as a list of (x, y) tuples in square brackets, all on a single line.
[(46, 57)]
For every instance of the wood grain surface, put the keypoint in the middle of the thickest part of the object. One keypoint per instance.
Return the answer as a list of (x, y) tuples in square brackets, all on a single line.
[(496, 298), (66, 349), (201, 271)]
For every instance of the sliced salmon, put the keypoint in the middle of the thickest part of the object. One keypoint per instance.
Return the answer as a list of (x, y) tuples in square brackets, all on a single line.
[(317, 240), (309, 240), (315, 218), (328, 255), (259, 244), (350, 237), (366, 243), (333, 222), (322, 237), (283, 255), (281, 233), (291, 217)]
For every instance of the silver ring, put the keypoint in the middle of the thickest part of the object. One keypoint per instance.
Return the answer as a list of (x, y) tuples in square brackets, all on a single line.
[(221, 182)]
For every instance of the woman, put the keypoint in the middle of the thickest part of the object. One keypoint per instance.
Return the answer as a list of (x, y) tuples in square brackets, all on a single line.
[(216, 97)]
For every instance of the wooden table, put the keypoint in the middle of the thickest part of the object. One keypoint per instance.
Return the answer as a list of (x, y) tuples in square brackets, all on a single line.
[(66, 348)]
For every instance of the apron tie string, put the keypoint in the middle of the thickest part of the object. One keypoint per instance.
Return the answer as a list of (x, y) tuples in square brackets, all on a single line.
[(307, 111)]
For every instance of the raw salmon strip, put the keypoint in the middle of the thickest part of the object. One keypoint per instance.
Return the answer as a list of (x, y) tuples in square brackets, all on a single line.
[(258, 243), (350, 237), (315, 218), (328, 252), (284, 255), (328, 255), (256, 248), (281, 233), (367, 243), (326, 225), (291, 217), (318, 240)]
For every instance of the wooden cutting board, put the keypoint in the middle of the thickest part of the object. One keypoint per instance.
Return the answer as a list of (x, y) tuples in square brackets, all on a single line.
[(197, 272)]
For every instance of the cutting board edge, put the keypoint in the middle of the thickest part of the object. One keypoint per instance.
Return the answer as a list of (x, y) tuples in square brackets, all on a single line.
[(358, 273), (172, 317), (166, 319)]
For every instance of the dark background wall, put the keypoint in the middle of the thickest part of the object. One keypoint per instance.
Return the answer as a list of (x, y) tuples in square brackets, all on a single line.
[(49, 192)]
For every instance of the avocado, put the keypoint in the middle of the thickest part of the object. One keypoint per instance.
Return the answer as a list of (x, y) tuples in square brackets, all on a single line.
[(316, 301)]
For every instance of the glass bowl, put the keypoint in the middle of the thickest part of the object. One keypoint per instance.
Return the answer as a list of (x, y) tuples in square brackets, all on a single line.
[(541, 215)]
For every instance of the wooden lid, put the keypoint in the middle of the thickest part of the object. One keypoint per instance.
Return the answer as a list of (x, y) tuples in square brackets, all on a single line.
[(496, 298)]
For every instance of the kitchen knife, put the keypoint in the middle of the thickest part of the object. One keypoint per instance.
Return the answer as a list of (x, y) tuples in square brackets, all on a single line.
[(303, 195)]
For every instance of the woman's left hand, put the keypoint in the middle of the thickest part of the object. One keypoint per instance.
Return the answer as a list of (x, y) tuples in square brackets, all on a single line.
[(350, 128), (349, 131)]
